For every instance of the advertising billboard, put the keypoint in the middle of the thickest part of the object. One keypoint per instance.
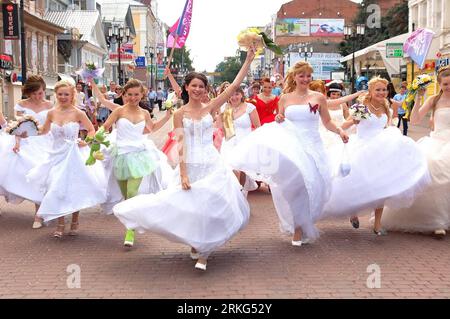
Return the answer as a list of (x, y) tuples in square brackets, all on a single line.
[(292, 27), (327, 27)]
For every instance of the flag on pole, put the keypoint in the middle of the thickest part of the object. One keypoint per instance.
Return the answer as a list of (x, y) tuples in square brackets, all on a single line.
[(181, 27), (418, 44)]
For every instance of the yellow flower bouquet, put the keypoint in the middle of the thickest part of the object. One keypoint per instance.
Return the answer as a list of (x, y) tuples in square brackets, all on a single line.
[(419, 83), (254, 37)]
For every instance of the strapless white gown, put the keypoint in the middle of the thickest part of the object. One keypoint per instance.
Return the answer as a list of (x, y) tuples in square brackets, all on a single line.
[(204, 217), (242, 127), (291, 158), (128, 138), (66, 183), (14, 167), (387, 169), (431, 209)]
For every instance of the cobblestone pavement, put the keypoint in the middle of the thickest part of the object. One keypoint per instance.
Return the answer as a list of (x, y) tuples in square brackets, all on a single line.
[(257, 263)]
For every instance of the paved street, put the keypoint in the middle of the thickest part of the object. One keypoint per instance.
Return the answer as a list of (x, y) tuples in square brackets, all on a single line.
[(258, 263)]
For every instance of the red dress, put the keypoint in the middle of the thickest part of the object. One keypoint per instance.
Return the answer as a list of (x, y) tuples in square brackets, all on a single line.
[(266, 111)]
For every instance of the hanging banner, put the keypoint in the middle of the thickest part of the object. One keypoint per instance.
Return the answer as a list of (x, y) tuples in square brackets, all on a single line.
[(10, 13), (6, 62), (418, 44)]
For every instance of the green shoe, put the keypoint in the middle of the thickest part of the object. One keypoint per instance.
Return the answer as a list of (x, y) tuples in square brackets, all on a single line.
[(129, 238)]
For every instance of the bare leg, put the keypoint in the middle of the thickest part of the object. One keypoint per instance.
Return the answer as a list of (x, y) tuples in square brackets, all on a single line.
[(242, 178), (297, 239), (37, 220), (377, 224), (59, 232), (74, 224)]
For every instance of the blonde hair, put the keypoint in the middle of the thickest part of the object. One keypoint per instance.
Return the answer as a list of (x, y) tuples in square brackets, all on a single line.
[(289, 81), (442, 73), (366, 98), (67, 84), (318, 86), (222, 87)]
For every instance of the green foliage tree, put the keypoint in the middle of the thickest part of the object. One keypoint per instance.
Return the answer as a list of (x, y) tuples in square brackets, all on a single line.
[(228, 69), (393, 23)]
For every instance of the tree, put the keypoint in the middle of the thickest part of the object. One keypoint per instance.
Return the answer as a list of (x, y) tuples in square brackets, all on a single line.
[(228, 69), (395, 22), (182, 58)]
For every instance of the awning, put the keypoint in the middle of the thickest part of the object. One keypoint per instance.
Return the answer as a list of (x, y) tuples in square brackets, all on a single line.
[(375, 55)]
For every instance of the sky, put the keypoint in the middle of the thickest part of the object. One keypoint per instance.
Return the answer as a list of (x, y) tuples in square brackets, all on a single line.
[(216, 24)]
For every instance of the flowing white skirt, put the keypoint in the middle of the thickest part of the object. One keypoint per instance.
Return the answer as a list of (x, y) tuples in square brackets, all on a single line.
[(387, 169), (158, 180), (15, 166), (431, 209), (204, 217), (295, 166), (66, 183)]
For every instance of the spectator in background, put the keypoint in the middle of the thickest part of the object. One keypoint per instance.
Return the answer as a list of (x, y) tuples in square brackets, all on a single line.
[(159, 98), (118, 99), (151, 98), (112, 91), (397, 101), (275, 89)]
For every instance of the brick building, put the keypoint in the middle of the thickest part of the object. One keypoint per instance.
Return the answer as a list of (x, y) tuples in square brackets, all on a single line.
[(318, 25)]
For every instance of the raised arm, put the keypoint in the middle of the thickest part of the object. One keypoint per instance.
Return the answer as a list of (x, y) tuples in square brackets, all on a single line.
[(112, 118), (326, 119), (2, 119), (344, 99), (419, 111), (151, 126), (173, 82), (99, 95), (214, 104)]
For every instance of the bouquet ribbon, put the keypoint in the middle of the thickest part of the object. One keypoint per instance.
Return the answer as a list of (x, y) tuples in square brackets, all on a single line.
[(228, 123)]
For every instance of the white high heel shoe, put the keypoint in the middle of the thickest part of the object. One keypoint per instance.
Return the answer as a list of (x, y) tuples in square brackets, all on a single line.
[(297, 243), (200, 266)]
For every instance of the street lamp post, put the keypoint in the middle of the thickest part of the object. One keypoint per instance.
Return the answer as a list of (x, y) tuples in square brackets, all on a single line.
[(119, 34), (351, 33), (305, 52), (149, 51)]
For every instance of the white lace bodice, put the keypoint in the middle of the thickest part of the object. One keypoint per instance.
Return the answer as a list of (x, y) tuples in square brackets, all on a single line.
[(442, 119), (40, 116), (65, 133), (199, 152), (372, 126)]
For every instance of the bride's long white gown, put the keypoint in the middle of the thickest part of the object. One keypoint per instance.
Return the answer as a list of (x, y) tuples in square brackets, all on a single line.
[(204, 217), (290, 157), (14, 166), (386, 169), (66, 183), (431, 209)]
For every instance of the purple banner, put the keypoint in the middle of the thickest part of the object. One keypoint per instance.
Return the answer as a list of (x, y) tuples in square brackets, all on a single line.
[(418, 44)]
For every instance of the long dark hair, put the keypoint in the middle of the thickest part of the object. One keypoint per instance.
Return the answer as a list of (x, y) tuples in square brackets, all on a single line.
[(188, 79)]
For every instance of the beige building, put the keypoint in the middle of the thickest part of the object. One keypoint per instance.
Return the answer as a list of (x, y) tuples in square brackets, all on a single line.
[(41, 52)]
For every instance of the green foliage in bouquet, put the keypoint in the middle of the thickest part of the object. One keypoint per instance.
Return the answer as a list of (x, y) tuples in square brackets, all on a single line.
[(95, 143)]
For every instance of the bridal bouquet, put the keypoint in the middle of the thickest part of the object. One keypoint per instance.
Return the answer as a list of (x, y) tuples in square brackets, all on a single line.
[(359, 112), (90, 71), (95, 143), (24, 124), (419, 83), (254, 37)]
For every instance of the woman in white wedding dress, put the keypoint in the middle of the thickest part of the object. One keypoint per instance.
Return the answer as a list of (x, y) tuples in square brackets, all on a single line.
[(237, 119), (19, 155), (205, 207), (430, 212), (290, 156), (66, 183), (133, 163), (386, 168)]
